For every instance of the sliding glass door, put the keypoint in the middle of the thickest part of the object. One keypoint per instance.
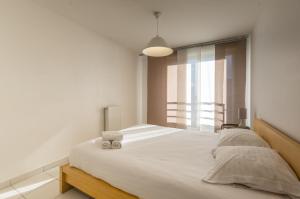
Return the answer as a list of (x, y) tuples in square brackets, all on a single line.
[(201, 87), (192, 95)]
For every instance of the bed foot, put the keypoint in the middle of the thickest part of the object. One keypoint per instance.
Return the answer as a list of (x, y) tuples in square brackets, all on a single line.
[(63, 185)]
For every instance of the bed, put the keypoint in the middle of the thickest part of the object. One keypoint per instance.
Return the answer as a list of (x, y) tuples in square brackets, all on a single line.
[(159, 162)]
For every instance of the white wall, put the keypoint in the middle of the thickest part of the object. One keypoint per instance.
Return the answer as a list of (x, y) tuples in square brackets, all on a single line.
[(142, 89), (55, 79), (276, 65)]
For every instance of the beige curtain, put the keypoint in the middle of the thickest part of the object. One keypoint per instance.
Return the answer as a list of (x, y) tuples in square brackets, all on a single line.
[(220, 84), (169, 85), (195, 86), (157, 89), (231, 78), (181, 90)]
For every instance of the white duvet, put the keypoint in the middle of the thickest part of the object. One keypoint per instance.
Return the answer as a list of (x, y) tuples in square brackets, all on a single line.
[(159, 163)]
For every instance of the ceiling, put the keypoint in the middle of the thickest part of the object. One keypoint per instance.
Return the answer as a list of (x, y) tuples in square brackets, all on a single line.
[(183, 22)]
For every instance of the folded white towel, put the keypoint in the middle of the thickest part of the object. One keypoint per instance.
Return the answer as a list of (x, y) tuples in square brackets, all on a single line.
[(106, 145), (116, 145), (112, 136)]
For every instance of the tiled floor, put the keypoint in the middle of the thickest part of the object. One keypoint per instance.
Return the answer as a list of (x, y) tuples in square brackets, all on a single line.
[(41, 186)]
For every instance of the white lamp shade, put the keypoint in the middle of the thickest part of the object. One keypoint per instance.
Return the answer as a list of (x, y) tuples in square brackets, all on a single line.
[(157, 47)]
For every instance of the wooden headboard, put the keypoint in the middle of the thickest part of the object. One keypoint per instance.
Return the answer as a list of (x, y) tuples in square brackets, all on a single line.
[(288, 148)]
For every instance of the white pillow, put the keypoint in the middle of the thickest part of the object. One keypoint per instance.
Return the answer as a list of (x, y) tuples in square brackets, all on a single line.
[(256, 167), (241, 137)]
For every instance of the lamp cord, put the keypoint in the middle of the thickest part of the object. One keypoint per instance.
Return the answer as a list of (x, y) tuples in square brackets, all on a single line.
[(157, 14), (157, 22)]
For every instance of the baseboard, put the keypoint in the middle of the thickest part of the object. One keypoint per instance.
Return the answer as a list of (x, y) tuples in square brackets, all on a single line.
[(24, 176)]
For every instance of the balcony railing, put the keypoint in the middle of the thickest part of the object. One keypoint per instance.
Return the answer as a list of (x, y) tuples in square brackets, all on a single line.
[(182, 113)]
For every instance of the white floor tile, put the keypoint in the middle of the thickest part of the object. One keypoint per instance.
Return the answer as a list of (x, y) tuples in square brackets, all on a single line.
[(54, 172), (47, 191), (9, 193), (73, 194), (41, 186), (33, 183)]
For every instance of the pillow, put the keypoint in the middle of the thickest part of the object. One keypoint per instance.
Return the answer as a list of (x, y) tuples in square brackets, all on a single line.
[(241, 137), (256, 167)]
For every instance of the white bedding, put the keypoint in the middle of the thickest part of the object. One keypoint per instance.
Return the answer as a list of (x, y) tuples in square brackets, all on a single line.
[(160, 163)]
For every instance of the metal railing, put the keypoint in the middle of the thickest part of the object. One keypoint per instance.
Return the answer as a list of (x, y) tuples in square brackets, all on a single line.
[(217, 108)]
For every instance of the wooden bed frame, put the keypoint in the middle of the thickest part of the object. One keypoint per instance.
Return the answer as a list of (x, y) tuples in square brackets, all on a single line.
[(288, 148), (71, 177)]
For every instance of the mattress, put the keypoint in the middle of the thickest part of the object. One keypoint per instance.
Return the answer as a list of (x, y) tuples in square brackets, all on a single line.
[(159, 162)]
